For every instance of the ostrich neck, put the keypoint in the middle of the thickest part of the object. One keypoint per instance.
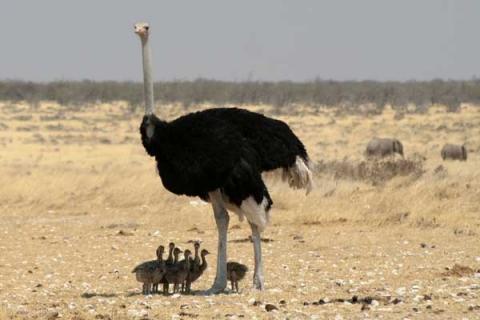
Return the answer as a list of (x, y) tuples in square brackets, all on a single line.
[(147, 76), (196, 254), (204, 263)]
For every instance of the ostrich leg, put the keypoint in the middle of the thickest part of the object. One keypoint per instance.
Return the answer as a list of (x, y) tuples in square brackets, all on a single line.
[(257, 248), (222, 219)]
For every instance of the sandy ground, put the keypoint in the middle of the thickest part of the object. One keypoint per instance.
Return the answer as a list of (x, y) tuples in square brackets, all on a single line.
[(81, 205)]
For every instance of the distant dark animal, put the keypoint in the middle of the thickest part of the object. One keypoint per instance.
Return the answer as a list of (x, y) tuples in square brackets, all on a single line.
[(219, 155), (235, 272), (382, 147), (454, 152), (150, 272)]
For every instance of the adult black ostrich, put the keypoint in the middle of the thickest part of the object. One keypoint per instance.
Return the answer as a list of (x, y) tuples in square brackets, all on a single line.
[(219, 155)]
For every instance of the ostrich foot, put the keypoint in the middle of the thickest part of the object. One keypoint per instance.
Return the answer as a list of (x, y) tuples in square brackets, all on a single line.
[(258, 282), (217, 287), (212, 291)]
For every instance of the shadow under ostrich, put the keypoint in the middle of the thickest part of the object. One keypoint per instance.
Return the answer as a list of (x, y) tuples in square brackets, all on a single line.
[(219, 155)]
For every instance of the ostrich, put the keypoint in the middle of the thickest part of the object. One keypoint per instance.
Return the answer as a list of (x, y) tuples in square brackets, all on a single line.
[(219, 155), (235, 272)]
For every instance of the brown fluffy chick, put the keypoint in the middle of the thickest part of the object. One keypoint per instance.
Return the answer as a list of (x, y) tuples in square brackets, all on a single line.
[(195, 262), (160, 251), (179, 273), (171, 271), (150, 272), (171, 247), (168, 263), (197, 273), (235, 272)]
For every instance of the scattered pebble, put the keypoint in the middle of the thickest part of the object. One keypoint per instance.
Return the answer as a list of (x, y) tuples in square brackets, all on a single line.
[(270, 307), (124, 233), (401, 291)]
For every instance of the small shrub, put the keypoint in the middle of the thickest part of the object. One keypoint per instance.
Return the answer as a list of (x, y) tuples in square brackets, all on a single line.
[(375, 172)]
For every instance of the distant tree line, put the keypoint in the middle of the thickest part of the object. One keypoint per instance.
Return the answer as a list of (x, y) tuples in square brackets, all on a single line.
[(348, 94)]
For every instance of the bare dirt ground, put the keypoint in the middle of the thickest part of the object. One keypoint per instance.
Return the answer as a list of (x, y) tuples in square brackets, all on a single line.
[(81, 205)]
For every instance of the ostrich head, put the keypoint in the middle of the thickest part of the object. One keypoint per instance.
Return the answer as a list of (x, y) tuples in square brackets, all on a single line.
[(196, 245), (141, 29), (160, 251)]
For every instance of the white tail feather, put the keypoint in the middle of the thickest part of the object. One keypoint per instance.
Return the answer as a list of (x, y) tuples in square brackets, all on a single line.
[(299, 176)]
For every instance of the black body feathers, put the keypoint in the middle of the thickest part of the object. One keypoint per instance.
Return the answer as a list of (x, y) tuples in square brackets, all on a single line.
[(224, 148)]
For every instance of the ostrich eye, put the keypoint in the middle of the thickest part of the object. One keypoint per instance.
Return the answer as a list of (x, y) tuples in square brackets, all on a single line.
[(147, 27)]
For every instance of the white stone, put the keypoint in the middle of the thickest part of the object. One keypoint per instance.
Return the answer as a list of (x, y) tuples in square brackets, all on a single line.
[(401, 291)]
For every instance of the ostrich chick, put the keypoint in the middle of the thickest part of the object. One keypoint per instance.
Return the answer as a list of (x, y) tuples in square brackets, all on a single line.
[(160, 251), (170, 271), (150, 272), (168, 262), (235, 272), (179, 272), (171, 247), (196, 273), (195, 262)]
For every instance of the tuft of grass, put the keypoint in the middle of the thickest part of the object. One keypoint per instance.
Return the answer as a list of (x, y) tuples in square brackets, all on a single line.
[(375, 172)]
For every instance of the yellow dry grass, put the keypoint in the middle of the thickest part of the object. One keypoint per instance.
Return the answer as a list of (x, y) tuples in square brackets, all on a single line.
[(72, 178)]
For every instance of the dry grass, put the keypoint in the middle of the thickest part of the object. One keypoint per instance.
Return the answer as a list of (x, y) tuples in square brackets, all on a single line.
[(75, 179), (377, 171)]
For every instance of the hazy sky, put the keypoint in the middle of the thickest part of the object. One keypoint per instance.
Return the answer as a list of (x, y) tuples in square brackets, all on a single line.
[(239, 40)]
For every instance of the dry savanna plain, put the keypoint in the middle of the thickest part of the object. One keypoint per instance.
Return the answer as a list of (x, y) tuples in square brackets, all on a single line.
[(81, 204)]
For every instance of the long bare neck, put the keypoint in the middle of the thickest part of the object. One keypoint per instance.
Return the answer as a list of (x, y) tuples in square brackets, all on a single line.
[(147, 76), (197, 258), (203, 266)]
